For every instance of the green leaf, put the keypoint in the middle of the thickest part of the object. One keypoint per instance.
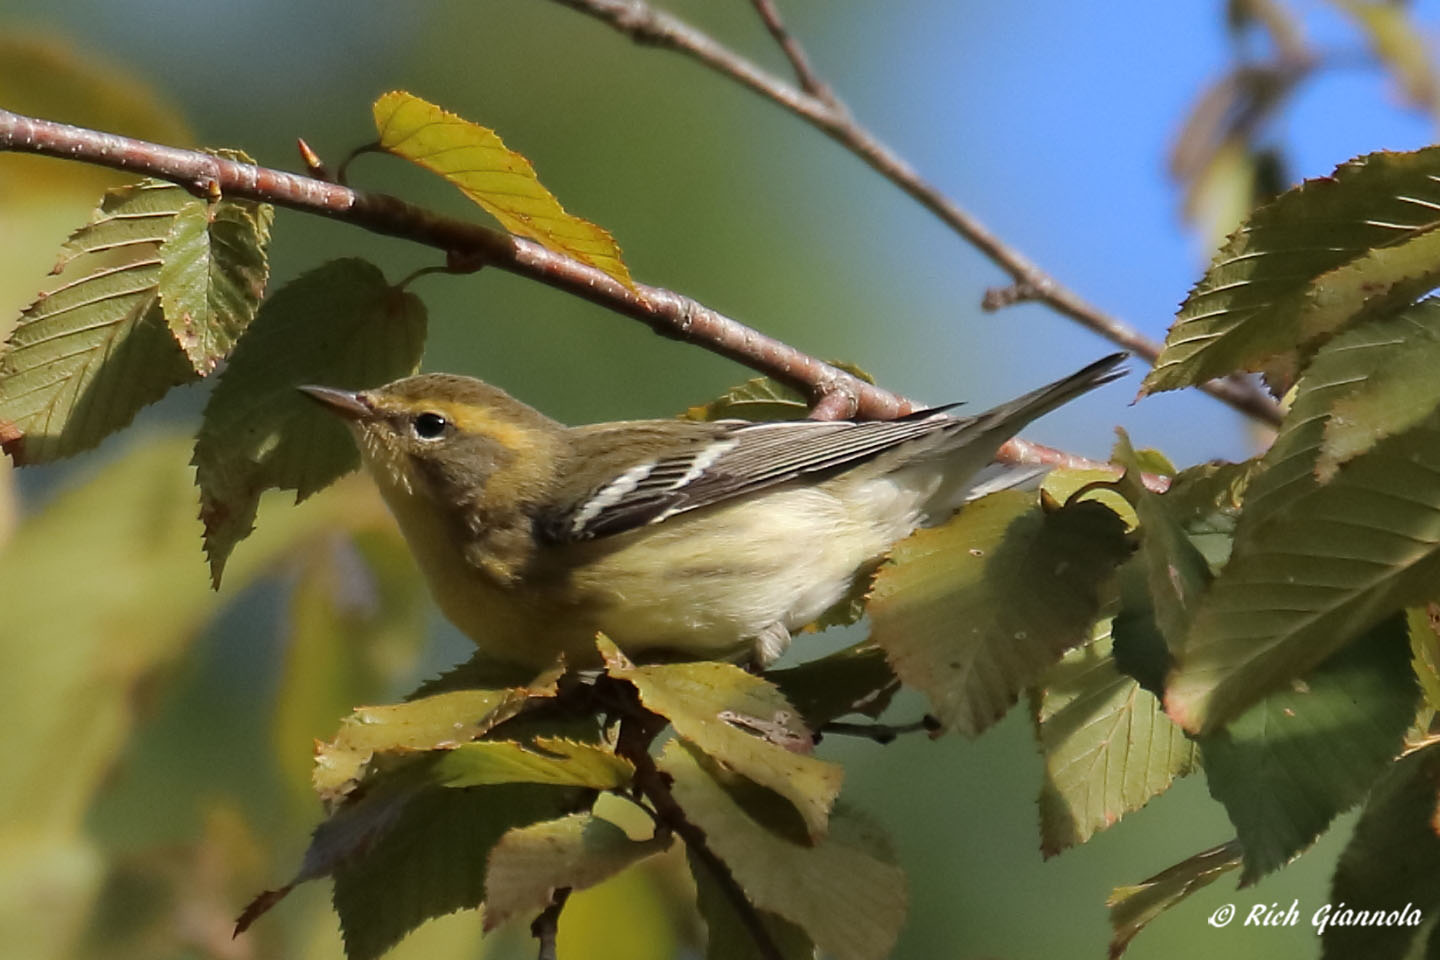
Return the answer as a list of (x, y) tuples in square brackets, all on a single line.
[(742, 721), (1314, 565), (1423, 626), (856, 679), (439, 721), (88, 355), (1290, 764), (955, 608), (727, 938), (497, 178), (1333, 250), (1389, 864), (1108, 746), (758, 400), (1132, 908), (529, 864), (763, 399), (340, 325), (431, 861), (545, 760), (1176, 572), (213, 274), (1396, 394), (847, 898)]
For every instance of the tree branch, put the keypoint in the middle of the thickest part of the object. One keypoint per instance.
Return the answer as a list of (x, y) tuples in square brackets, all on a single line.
[(650, 26), (468, 245), (546, 927)]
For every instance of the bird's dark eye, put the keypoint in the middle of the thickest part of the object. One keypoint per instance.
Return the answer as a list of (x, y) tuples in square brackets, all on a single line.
[(429, 426)]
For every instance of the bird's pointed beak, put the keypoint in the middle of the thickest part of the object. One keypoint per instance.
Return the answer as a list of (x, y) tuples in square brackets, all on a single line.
[(342, 403)]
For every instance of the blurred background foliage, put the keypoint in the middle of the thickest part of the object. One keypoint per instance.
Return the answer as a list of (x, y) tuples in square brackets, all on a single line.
[(159, 734)]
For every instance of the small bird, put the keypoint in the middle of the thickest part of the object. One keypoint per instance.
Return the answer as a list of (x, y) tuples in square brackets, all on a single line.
[(675, 538)]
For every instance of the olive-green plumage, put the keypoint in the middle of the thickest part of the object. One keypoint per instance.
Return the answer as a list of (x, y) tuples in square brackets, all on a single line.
[(699, 540)]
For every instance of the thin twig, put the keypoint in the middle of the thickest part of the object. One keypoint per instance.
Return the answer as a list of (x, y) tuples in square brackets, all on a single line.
[(810, 81), (546, 927), (648, 25), (881, 733), (665, 312)]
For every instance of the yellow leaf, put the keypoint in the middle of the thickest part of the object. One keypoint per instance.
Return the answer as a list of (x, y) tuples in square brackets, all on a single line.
[(497, 178)]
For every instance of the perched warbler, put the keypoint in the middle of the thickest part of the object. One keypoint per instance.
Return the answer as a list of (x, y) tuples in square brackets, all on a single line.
[(692, 539)]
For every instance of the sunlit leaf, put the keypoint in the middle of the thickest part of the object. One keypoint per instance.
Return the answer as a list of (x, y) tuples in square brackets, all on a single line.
[(1389, 864), (1285, 768), (1108, 746), (955, 609), (213, 274), (497, 178), (545, 760), (757, 400), (743, 722), (1314, 565), (1423, 626), (1278, 287), (848, 899), (530, 863), (1396, 393), (89, 354), (340, 325), (1132, 908), (440, 721), (762, 399)]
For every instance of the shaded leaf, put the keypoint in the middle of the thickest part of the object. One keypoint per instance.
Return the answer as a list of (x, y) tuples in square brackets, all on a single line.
[(1278, 282), (955, 612), (1389, 864), (431, 860), (214, 270), (757, 400), (88, 355), (848, 900), (1287, 766), (529, 864), (544, 760), (1108, 746), (1176, 573), (726, 935), (856, 679), (340, 325), (743, 722), (1132, 908), (497, 178)]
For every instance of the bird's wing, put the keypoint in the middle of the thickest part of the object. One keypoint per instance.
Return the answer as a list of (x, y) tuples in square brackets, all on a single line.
[(735, 459), (729, 459)]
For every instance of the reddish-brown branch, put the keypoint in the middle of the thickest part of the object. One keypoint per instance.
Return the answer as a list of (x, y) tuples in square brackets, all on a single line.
[(648, 25), (835, 392)]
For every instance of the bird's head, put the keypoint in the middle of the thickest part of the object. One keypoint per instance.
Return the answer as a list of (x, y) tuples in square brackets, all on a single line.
[(442, 436)]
